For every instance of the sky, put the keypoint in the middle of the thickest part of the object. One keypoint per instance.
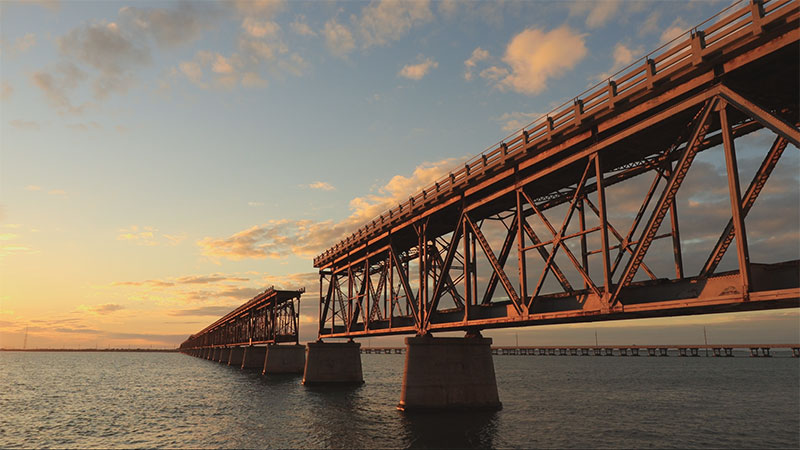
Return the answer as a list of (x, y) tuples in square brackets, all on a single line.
[(163, 162)]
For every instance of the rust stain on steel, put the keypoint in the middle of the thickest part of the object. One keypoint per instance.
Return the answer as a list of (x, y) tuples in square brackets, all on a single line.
[(413, 269)]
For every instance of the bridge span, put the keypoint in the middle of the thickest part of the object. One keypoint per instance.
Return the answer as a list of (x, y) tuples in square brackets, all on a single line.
[(248, 336), (525, 233)]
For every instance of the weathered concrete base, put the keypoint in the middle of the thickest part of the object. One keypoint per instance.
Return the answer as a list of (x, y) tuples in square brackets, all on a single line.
[(449, 373), (284, 359), (235, 358), (253, 357), (333, 363)]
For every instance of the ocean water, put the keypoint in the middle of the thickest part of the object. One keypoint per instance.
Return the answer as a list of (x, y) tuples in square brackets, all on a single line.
[(170, 400)]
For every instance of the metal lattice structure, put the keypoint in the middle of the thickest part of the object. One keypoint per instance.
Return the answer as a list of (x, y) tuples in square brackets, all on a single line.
[(268, 318), (414, 269)]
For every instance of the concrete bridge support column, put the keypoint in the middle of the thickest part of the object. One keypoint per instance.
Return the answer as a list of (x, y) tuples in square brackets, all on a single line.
[(215, 354), (224, 352), (449, 373), (253, 357), (333, 363), (208, 352), (235, 358), (284, 359)]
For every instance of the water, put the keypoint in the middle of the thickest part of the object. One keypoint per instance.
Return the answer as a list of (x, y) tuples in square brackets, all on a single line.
[(125, 400)]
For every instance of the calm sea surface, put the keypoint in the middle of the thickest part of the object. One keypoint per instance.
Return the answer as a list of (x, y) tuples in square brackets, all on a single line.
[(172, 400)]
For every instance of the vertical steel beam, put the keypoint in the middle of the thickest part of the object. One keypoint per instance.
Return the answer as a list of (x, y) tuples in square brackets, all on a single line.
[(736, 202), (601, 202), (584, 246), (468, 294), (522, 267)]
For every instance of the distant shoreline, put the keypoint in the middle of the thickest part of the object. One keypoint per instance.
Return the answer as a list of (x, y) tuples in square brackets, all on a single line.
[(157, 350)]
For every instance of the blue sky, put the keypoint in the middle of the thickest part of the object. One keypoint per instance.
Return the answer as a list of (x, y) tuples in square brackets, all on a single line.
[(163, 161)]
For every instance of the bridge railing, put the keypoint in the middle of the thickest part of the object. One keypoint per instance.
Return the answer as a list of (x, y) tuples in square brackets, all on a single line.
[(684, 51)]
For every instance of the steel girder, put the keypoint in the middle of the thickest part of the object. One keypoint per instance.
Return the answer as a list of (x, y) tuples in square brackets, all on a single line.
[(269, 318), (420, 272)]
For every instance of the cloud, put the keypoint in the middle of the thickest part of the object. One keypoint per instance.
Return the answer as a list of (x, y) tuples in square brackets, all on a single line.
[(255, 204), (57, 84), (534, 56), (650, 24), (23, 43), (24, 124), (109, 50), (599, 12), (676, 28), (477, 55), (171, 27), (105, 309), (623, 57), (513, 121), (140, 235), (300, 27), (33, 187), (216, 311), (85, 126), (5, 90), (260, 29), (389, 20), (321, 185), (306, 238), (417, 71), (338, 38)]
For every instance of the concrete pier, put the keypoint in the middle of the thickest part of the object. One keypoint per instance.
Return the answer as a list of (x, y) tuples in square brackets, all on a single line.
[(222, 358), (235, 358), (253, 357), (333, 363), (284, 359), (449, 373)]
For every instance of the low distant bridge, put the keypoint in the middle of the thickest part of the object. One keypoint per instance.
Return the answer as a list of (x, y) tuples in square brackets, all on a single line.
[(245, 336), (532, 214)]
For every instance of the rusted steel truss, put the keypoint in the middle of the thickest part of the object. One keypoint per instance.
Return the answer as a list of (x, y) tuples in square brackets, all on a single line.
[(269, 318), (533, 215)]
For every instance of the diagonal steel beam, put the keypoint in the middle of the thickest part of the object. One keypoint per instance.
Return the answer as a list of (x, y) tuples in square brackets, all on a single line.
[(444, 276), (667, 197), (410, 300), (512, 293), (546, 255), (769, 120), (505, 251), (759, 180), (557, 236), (619, 237)]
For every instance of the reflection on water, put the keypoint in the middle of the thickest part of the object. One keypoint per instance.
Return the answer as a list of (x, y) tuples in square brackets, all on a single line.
[(101, 400), (450, 430)]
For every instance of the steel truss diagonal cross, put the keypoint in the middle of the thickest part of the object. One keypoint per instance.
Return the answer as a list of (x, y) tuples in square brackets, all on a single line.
[(482, 248)]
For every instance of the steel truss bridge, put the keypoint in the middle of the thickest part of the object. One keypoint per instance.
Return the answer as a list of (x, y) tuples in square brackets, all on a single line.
[(268, 318), (541, 197)]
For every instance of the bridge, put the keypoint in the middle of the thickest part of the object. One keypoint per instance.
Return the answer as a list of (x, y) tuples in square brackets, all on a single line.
[(248, 336), (525, 233)]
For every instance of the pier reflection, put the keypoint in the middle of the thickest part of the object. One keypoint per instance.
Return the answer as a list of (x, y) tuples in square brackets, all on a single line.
[(463, 429)]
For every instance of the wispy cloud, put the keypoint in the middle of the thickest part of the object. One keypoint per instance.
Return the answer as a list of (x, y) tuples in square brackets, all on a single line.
[(277, 239), (321, 185), (477, 56), (419, 70)]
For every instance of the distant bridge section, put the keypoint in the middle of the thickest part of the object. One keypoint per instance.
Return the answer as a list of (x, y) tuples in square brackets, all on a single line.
[(532, 214), (268, 318)]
